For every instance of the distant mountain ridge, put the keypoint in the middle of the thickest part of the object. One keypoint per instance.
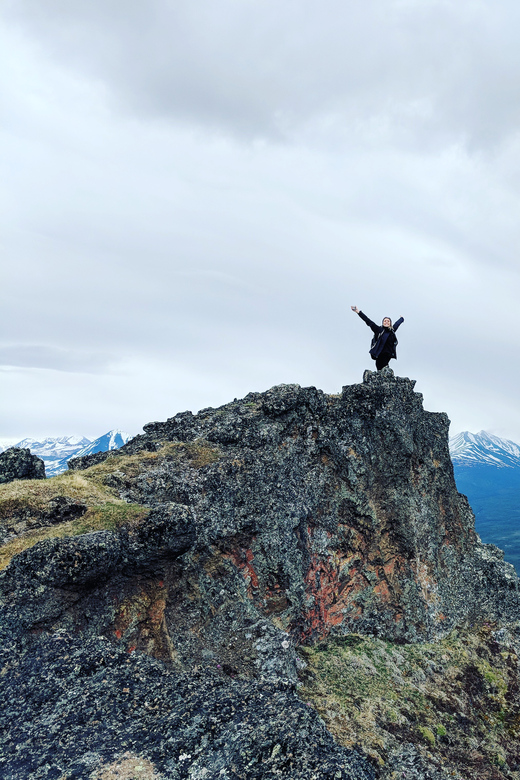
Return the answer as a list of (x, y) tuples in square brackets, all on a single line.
[(483, 448), (57, 451), (487, 471)]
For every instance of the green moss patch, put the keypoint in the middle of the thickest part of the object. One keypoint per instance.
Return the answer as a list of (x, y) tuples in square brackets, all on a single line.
[(456, 699), (26, 506), (106, 517)]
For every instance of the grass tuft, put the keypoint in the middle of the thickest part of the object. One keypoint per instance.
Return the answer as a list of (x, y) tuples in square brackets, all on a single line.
[(106, 517), (445, 697), (35, 494), (128, 767)]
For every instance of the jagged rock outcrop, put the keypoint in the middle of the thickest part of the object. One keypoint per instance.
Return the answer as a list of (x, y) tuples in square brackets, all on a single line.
[(276, 520), (339, 513), (18, 463)]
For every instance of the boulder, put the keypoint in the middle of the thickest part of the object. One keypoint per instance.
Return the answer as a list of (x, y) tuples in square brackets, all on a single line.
[(18, 463)]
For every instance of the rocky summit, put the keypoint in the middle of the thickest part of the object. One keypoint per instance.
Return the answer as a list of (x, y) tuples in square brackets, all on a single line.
[(221, 577)]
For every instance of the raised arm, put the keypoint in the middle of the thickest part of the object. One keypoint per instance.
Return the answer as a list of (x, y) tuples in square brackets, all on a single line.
[(372, 325), (399, 322)]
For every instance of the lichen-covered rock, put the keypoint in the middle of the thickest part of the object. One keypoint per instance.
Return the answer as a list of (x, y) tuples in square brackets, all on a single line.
[(69, 708), (277, 520), (18, 463), (340, 513)]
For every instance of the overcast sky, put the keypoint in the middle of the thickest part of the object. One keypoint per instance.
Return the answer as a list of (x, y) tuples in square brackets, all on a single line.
[(194, 193)]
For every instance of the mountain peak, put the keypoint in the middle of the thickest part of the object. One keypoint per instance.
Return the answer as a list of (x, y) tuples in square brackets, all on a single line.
[(112, 440), (470, 449)]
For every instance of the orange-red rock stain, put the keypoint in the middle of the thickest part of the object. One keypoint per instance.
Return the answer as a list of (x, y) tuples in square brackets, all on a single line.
[(322, 583), (334, 580), (389, 567), (243, 560), (382, 591), (156, 612)]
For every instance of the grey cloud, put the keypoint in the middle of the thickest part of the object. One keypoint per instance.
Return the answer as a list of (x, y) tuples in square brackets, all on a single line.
[(412, 73), (182, 267), (55, 358)]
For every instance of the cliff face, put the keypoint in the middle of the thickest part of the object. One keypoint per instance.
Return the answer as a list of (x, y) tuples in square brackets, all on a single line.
[(280, 519), (324, 513)]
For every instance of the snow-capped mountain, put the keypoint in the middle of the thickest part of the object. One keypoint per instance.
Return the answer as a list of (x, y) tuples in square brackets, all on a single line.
[(487, 471), (472, 449), (56, 452), (54, 448), (109, 441)]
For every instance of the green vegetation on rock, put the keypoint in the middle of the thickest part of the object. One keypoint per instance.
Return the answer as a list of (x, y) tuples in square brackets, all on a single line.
[(28, 508), (105, 517), (456, 699)]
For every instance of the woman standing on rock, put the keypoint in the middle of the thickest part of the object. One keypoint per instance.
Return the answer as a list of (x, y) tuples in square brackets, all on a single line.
[(384, 342)]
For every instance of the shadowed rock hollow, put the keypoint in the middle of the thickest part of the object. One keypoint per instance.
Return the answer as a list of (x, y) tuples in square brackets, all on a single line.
[(280, 519)]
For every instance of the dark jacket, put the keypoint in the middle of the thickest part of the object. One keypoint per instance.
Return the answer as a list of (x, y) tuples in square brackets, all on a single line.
[(386, 339)]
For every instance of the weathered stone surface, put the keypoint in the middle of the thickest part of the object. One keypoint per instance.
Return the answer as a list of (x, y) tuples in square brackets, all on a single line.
[(339, 512), (69, 707), (19, 518), (18, 463), (279, 519)]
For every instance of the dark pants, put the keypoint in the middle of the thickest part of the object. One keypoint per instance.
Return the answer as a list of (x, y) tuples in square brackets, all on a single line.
[(382, 361)]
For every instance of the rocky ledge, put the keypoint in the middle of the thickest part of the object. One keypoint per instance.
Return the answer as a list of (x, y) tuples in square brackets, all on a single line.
[(281, 520)]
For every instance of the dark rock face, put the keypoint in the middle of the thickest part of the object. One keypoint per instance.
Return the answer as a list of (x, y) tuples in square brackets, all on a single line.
[(96, 702), (18, 463), (278, 519), (339, 513)]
